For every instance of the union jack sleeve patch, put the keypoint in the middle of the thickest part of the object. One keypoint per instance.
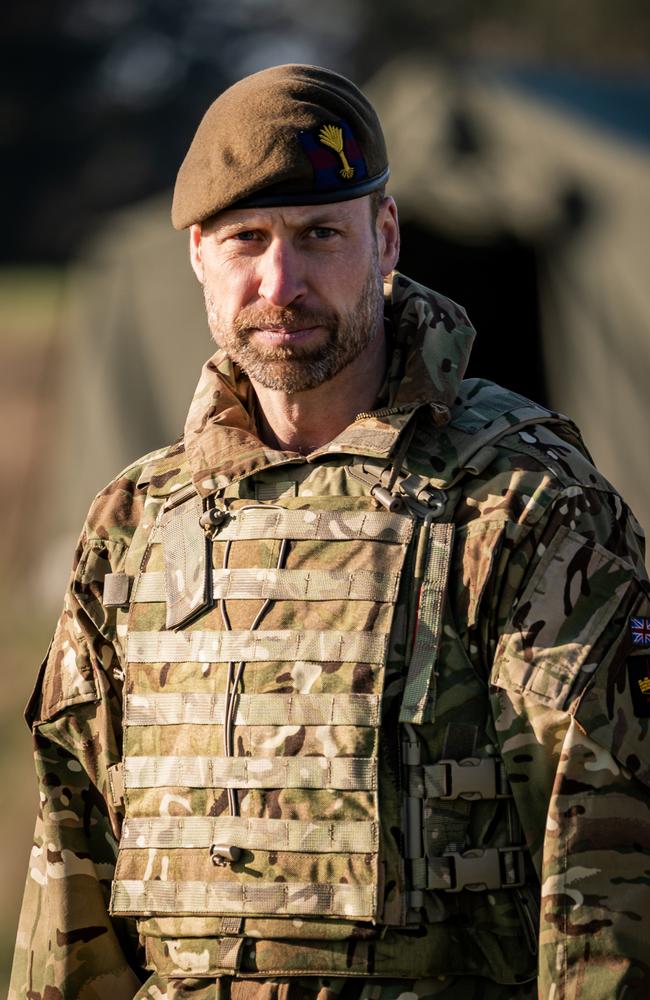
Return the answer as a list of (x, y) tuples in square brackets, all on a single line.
[(640, 630)]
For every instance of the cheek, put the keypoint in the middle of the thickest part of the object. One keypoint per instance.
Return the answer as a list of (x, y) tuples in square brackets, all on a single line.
[(230, 286)]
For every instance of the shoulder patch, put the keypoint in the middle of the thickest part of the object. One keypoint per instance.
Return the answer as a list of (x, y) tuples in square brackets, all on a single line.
[(638, 669)]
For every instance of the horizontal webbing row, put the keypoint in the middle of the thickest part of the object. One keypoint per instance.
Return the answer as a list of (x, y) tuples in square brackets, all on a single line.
[(254, 709), (222, 647), (356, 836), (335, 899), (350, 773), (302, 524), (283, 585)]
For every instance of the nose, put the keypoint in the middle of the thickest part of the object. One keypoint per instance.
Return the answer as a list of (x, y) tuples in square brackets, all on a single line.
[(282, 278)]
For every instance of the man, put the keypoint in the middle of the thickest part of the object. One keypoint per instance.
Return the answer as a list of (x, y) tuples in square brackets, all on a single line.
[(354, 677)]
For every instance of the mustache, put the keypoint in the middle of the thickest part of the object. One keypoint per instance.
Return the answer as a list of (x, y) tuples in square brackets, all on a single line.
[(288, 318)]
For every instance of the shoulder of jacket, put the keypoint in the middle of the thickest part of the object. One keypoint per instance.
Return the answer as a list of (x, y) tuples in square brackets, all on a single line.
[(117, 509), (483, 419)]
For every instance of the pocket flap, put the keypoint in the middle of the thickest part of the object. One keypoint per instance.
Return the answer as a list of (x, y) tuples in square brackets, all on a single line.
[(568, 608)]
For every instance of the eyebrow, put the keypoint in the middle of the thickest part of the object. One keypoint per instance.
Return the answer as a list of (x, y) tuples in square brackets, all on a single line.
[(319, 217)]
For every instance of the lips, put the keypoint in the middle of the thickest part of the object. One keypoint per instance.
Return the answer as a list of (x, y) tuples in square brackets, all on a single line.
[(283, 335)]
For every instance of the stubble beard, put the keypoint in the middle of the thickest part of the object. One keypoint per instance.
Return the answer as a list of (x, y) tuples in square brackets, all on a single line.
[(296, 368)]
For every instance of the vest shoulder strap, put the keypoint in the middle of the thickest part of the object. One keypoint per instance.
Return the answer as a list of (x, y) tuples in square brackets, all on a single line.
[(483, 414)]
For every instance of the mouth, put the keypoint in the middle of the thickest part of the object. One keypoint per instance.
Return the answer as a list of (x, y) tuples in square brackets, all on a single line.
[(283, 334)]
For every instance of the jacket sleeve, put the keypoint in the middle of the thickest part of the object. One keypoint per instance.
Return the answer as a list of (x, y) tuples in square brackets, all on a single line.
[(571, 695), (67, 945)]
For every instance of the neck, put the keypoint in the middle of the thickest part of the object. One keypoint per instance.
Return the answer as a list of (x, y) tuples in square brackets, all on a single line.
[(305, 421)]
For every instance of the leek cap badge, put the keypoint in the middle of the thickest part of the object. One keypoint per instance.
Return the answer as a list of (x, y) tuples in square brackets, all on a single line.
[(332, 136), (335, 156)]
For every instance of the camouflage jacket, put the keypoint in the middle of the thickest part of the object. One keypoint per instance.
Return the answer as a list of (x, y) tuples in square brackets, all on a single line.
[(550, 600)]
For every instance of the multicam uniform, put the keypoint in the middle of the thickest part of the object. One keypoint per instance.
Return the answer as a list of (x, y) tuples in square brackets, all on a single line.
[(356, 710)]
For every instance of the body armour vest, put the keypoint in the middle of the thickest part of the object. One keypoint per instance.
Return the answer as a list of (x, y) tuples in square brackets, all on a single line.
[(310, 778)]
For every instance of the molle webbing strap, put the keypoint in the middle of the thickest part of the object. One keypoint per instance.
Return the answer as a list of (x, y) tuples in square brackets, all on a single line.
[(349, 837), (419, 691), (346, 773), (221, 955), (255, 647), (283, 584), (338, 526), (229, 954), (253, 710), (185, 554), (285, 898)]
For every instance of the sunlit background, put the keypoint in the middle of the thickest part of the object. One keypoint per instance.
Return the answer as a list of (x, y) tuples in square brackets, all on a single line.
[(519, 136)]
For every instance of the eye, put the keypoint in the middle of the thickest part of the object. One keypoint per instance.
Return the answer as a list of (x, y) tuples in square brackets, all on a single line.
[(322, 232), (245, 235)]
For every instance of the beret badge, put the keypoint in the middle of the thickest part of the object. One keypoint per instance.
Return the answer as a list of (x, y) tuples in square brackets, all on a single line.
[(335, 156), (332, 136)]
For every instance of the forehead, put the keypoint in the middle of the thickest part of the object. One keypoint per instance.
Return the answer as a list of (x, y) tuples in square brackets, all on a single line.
[(355, 211)]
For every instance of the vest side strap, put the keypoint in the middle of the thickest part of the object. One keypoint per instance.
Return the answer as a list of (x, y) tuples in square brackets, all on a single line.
[(255, 647), (419, 691), (349, 837), (345, 773), (178, 708), (133, 896), (283, 584)]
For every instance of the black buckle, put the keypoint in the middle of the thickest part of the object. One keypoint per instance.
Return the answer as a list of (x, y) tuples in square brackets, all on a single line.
[(482, 869), (473, 778)]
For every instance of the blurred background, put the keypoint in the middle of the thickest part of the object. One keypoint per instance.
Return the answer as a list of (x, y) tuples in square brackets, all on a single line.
[(519, 136)]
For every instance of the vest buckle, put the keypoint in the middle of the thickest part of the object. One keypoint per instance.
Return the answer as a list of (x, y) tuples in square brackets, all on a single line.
[(489, 868), (473, 777)]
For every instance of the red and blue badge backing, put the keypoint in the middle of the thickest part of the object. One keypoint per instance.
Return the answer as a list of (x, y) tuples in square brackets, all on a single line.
[(326, 164)]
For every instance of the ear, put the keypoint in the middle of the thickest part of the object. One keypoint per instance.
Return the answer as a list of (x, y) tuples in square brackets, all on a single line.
[(196, 258), (387, 235)]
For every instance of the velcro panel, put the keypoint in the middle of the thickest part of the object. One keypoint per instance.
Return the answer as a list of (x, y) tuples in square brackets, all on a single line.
[(250, 772), (187, 574), (355, 836)]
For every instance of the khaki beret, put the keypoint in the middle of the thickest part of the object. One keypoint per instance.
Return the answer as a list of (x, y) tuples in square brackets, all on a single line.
[(289, 135)]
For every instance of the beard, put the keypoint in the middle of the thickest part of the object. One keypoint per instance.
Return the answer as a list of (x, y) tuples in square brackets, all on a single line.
[(295, 368)]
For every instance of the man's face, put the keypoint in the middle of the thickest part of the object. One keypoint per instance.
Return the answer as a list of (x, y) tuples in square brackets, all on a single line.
[(294, 294)]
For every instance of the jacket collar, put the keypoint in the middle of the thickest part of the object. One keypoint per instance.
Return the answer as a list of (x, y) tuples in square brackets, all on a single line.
[(432, 343)]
